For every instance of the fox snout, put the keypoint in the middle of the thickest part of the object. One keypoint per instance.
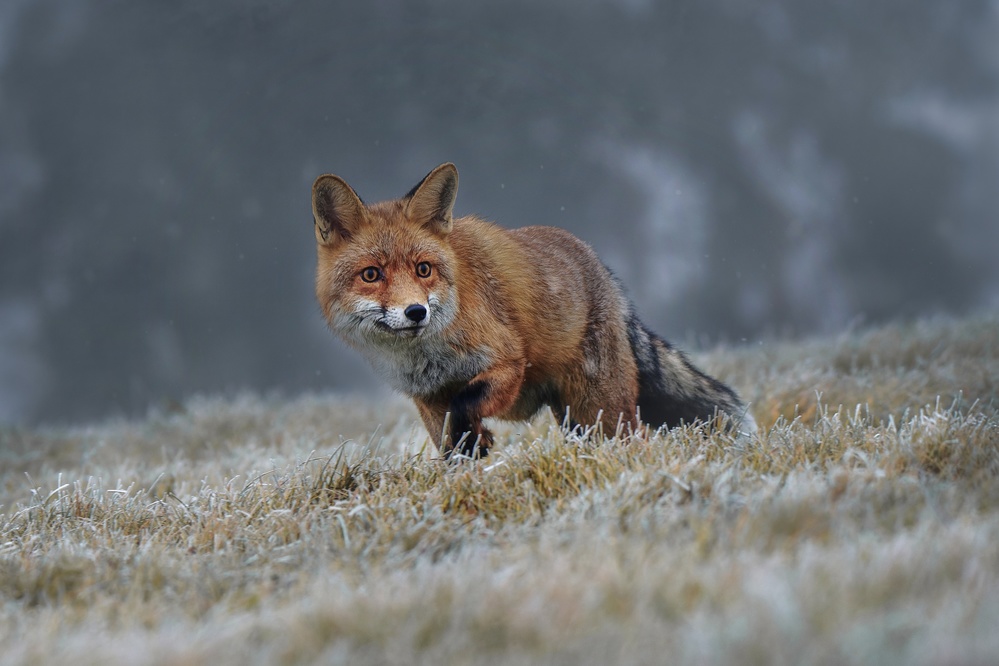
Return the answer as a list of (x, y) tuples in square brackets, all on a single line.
[(373, 321), (409, 319)]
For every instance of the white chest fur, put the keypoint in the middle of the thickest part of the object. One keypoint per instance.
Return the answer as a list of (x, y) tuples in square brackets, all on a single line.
[(423, 366)]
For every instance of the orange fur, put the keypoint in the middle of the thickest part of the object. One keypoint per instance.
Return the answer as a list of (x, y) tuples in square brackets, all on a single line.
[(515, 319)]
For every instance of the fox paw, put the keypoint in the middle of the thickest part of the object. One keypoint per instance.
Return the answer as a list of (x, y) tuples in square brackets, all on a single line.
[(473, 444)]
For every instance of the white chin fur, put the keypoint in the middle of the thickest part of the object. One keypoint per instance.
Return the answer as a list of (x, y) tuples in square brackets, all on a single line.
[(396, 319), (368, 322)]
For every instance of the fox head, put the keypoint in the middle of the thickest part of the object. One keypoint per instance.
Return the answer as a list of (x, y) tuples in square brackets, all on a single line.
[(385, 272)]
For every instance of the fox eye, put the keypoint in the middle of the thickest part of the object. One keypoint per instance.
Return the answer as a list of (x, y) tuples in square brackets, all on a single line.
[(370, 274), (423, 269)]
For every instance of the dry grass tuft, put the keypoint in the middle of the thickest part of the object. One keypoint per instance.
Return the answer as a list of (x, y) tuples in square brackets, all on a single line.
[(862, 525)]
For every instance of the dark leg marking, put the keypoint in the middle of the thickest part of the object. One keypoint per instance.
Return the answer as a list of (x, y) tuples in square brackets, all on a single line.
[(466, 421)]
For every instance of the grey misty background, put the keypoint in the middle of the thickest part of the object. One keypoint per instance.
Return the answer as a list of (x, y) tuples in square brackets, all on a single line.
[(747, 168)]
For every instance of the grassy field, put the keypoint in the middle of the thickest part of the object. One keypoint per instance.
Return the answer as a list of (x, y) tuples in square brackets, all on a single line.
[(862, 526)]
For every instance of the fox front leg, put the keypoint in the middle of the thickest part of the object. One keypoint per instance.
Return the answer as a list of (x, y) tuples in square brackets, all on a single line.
[(490, 393), (449, 427), (466, 433), (455, 421), (454, 424)]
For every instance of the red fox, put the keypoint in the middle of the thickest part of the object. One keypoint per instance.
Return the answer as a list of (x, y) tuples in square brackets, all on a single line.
[(474, 321)]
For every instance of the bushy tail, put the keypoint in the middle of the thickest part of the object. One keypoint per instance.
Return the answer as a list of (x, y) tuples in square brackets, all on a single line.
[(672, 391)]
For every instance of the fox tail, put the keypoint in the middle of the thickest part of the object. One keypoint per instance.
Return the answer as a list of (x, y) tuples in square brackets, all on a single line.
[(672, 391)]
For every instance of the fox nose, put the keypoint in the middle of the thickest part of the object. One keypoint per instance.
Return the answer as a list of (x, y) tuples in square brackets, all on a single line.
[(416, 313)]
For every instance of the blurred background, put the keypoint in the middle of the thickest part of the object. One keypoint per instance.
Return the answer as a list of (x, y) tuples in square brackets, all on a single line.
[(749, 169)]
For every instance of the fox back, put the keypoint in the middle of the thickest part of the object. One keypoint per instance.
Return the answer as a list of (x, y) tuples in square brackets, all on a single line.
[(475, 321)]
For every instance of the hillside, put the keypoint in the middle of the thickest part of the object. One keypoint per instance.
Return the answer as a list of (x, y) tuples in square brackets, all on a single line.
[(862, 526)]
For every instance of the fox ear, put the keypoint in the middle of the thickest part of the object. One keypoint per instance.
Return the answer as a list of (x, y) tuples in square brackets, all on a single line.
[(336, 208), (432, 200)]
